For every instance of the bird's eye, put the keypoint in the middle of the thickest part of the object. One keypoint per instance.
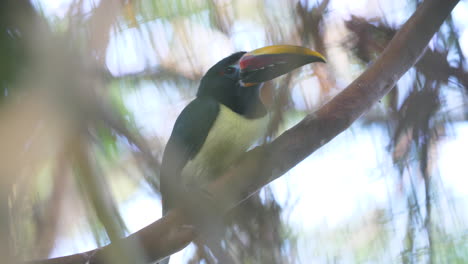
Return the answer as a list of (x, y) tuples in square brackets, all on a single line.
[(229, 70)]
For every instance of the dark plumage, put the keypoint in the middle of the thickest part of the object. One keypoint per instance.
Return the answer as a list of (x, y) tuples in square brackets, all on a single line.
[(224, 120)]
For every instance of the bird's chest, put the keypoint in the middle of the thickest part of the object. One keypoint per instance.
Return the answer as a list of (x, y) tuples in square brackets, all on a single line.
[(230, 136)]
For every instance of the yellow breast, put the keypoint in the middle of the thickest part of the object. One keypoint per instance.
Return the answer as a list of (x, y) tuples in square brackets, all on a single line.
[(230, 136)]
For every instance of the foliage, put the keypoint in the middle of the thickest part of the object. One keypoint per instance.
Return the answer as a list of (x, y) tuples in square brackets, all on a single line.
[(89, 92)]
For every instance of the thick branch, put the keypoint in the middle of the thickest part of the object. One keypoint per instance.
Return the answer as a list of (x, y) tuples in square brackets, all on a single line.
[(264, 164)]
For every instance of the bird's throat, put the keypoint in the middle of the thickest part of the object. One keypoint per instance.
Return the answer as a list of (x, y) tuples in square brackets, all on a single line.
[(247, 102)]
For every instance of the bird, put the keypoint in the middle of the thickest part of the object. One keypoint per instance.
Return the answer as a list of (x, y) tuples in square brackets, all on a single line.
[(226, 118)]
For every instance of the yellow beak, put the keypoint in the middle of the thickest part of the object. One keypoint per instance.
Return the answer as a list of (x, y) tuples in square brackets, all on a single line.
[(269, 62)]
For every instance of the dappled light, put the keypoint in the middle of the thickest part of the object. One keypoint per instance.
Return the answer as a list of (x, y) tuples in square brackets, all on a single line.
[(90, 91)]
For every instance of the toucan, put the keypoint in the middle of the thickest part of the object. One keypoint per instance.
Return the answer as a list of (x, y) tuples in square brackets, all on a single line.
[(225, 119)]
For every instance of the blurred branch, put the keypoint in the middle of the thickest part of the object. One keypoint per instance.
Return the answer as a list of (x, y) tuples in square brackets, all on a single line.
[(371, 39), (97, 191), (159, 74), (312, 23), (313, 30), (103, 112), (104, 16), (48, 218), (264, 164)]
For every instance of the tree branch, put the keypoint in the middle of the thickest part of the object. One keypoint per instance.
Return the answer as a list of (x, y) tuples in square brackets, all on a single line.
[(264, 164)]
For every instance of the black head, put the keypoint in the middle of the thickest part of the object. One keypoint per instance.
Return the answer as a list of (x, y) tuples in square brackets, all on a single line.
[(236, 80), (223, 83)]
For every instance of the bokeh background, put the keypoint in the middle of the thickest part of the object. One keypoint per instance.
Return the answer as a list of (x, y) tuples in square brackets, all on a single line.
[(90, 90)]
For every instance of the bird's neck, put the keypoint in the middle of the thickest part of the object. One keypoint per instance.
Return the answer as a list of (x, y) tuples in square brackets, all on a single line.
[(248, 103), (245, 102)]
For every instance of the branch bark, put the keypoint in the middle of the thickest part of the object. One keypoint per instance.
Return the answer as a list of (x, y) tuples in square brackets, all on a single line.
[(264, 164)]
